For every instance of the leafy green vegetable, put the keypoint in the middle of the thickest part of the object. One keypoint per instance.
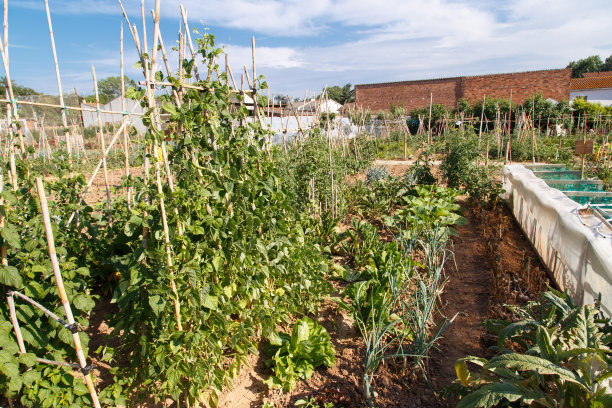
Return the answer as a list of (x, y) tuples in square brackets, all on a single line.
[(566, 361), (296, 357)]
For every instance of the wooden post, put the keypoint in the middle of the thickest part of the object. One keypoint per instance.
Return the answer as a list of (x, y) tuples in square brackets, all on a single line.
[(62, 292)]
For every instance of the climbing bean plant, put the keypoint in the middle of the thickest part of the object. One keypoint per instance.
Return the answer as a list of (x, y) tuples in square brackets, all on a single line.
[(241, 257)]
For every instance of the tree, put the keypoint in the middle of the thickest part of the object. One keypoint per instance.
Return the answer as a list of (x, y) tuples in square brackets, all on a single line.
[(282, 99), (607, 65), (341, 94), (589, 64), (110, 88), (18, 90)]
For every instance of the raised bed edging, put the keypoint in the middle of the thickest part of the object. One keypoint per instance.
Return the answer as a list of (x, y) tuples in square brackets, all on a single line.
[(577, 256)]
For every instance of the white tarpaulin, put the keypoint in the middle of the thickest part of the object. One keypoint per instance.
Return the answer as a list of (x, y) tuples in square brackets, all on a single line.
[(576, 249)]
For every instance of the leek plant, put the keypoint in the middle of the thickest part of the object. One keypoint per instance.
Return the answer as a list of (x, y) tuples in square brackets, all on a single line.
[(397, 320)]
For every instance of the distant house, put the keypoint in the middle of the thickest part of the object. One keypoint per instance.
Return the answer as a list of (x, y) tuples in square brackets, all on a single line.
[(91, 118), (314, 105), (593, 88)]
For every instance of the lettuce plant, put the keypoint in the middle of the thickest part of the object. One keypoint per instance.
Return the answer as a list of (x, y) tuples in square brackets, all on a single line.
[(296, 357)]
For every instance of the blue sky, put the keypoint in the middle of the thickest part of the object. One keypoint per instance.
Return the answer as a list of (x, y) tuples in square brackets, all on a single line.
[(304, 45)]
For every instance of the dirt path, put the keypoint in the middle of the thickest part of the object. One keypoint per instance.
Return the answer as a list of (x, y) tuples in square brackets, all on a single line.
[(467, 295)]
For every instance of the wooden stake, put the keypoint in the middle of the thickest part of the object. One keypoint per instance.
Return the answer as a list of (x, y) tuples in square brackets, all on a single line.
[(62, 292)]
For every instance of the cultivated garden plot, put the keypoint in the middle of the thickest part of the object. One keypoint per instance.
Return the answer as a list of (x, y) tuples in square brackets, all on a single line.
[(200, 264)]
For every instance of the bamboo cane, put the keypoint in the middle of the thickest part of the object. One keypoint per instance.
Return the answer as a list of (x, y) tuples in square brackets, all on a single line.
[(484, 98), (103, 145), (126, 151), (188, 39), (11, 113), (151, 101), (62, 292), (97, 168), (9, 85), (59, 88), (75, 108), (429, 135)]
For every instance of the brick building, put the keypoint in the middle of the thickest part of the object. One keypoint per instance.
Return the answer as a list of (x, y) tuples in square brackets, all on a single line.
[(553, 83)]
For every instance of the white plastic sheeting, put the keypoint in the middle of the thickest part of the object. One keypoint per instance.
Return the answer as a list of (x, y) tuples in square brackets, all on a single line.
[(341, 128), (576, 249)]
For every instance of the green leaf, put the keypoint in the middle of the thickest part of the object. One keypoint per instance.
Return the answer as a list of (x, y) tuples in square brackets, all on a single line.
[(11, 370), (11, 236), (524, 362), (80, 388), (28, 359), (84, 303), (217, 263), (29, 377), (513, 328), (157, 303), (9, 276), (210, 302), (547, 350), (490, 395)]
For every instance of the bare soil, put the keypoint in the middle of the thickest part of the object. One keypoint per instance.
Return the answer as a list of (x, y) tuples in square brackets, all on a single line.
[(470, 296)]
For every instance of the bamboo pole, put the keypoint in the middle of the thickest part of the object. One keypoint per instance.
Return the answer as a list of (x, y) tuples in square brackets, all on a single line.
[(126, 151), (10, 132), (429, 135), (188, 39), (11, 111), (9, 84), (162, 206), (97, 168), (59, 88), (103, 145), (484, 98), (145, 44), (62, 292), (75, 108)]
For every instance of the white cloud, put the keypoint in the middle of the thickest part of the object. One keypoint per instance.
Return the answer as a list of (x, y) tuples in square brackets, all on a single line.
[(309, 44)]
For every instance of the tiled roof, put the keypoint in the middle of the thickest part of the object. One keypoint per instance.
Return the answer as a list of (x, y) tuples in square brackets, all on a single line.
[(591, 83), (597, 74)]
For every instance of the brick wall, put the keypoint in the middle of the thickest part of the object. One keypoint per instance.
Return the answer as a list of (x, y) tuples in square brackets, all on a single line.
[(408, 94), (553, 84)]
